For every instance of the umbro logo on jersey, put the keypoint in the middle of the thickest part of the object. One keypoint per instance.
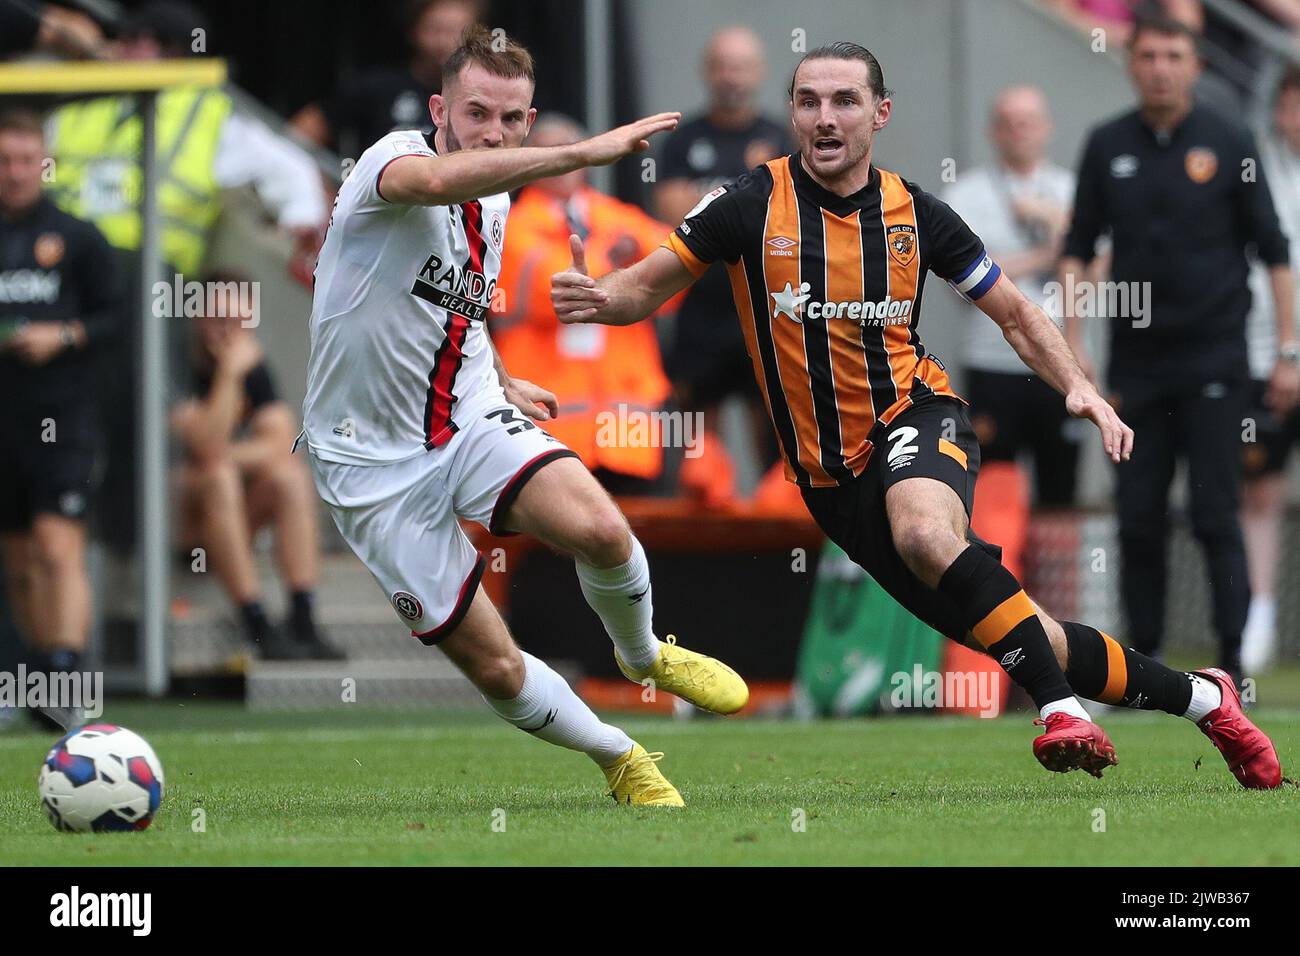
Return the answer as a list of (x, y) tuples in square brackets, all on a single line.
[(781, 246)]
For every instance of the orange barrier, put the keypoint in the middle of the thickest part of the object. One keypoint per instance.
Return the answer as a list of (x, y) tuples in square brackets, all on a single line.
[(1002, 511)]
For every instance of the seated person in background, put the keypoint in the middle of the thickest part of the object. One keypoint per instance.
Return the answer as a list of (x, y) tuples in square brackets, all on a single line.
[(238, 475), (607, 380), (1020, 205)]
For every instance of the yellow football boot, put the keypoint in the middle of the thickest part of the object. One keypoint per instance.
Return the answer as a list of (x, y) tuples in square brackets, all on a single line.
[(634, 780), (706, 682)]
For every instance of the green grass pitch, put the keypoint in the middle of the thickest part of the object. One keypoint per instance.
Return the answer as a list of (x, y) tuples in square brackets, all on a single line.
[(432, 788)]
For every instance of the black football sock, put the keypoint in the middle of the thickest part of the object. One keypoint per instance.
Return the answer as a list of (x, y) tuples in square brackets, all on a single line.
[(256, 624), (37, 661), (1101, 669), (64, 660), (301, 614), (998, 612)]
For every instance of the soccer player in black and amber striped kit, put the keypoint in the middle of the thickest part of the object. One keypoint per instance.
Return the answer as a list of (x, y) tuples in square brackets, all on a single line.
[(827, 255)]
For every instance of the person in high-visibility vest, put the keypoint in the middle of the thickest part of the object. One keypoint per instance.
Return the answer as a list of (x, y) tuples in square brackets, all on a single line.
[(608, 381), (204, 147)]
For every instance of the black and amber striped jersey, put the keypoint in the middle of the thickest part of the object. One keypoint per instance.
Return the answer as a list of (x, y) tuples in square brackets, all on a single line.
[(828, 290)]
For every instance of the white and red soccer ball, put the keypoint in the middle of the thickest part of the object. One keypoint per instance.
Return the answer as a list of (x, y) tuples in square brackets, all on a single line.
[(101, 777)]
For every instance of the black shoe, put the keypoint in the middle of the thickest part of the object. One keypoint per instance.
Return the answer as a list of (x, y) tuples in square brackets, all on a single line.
[(276, 645), (313, 643)]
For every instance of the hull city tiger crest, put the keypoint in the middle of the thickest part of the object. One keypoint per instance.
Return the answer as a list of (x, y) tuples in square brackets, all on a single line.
[(48, 250), (902, 244), (1201, 164)]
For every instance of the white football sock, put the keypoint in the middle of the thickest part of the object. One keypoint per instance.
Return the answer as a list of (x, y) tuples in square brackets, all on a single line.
[(1259, 637), (549, 709), (621, 596), (1206, 696), (1066, 705)]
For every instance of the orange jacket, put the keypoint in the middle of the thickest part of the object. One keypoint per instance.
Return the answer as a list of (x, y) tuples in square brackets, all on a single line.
[(591, 368)]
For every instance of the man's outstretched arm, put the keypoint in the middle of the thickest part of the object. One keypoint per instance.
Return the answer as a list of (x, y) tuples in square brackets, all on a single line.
[(621, 297), (468, 174), (1042, 347)]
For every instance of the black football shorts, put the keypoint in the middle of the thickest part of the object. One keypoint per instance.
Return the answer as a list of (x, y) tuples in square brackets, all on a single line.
[(931, 440), (50, 457)]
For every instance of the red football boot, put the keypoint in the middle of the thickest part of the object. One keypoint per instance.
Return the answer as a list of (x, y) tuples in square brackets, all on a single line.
[(1246, 748), (1072, 743)]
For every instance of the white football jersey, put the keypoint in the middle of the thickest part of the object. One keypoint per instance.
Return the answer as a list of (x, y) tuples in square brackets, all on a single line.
[(399, 353)]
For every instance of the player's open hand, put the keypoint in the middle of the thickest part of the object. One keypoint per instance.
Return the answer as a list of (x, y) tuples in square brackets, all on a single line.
[(533, 400), (574, 294), (1116, 437), (633, 138)]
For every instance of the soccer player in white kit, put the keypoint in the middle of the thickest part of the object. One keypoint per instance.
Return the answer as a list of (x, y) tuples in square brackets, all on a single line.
[(412, 422)]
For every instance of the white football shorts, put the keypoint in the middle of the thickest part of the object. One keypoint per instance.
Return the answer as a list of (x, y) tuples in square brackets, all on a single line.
[(400, 518)]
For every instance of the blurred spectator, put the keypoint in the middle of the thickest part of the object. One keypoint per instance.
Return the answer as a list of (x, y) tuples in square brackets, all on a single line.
[(1285, 12), (1276, 421), (60, 302), (594, 370), (708, 361), (29, 25), (1167, 180), (204, 147), (239, 475), (386, 98), (1119, 17), (1020, 206)]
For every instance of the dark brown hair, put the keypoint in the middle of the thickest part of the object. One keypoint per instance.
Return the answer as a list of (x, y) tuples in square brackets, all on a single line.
[(844, 50), (1165, 27), (494, 51), (21, 121)]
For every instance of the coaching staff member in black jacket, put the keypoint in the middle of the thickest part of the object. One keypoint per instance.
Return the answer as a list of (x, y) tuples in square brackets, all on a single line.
[(60, 299), (1181, 191)]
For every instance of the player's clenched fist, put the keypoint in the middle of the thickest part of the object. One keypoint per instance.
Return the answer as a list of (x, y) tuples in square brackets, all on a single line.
[(633, 138), (575, 294)]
